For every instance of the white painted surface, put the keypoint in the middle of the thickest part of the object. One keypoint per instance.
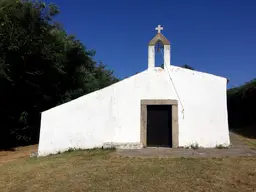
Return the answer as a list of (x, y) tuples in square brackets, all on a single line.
[(159, 28), (151, 56), (113, 113), (167, 55)]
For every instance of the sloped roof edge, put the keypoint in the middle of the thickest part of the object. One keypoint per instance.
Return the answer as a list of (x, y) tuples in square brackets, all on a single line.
[(159, 37)]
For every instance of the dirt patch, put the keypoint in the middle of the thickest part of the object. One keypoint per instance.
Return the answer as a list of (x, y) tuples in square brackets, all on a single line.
[(17, 153)]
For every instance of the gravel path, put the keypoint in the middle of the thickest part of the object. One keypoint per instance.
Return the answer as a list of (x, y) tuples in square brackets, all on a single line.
[(238, 148)]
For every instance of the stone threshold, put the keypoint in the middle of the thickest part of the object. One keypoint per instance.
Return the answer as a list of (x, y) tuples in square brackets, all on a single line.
[(120, 145)]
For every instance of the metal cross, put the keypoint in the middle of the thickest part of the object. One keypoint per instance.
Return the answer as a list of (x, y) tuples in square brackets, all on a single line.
[(159, 28)]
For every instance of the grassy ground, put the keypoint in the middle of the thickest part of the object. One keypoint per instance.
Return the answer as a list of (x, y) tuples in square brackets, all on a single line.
[(251, 142), (248, 134), (102, 171)]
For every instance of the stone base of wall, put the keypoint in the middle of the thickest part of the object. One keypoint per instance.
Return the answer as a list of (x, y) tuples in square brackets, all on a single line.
[(123, 145)]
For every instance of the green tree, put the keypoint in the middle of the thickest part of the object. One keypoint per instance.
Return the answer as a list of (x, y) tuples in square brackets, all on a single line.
[(242, 108), (41, 66)]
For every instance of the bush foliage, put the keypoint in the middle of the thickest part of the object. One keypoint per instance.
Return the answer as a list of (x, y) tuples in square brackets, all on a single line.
[(41, 66), (242, 108)]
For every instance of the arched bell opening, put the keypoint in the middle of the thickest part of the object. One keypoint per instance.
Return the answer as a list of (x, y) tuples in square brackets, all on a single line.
[(159, 54), (159, 44)]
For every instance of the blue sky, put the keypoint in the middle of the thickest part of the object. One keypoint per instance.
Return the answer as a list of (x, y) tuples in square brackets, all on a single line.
[(214, 36)]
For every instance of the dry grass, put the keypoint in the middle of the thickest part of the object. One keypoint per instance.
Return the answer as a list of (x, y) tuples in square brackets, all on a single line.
[(101, 171), (248, 135), (251, 143)]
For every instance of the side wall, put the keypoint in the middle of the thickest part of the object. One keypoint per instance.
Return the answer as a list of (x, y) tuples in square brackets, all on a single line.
[(113, 113), (204, 120)]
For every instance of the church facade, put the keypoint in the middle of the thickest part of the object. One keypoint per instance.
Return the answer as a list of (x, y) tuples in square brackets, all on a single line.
[(170, 107)]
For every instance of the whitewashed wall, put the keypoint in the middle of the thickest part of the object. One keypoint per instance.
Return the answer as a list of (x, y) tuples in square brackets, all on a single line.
[(113, 113)]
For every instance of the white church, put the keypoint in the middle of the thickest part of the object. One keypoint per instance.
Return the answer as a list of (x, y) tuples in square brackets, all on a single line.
[(171, 107)]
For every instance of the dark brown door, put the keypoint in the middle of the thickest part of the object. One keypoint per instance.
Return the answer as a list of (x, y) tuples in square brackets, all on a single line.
[(159, 126)]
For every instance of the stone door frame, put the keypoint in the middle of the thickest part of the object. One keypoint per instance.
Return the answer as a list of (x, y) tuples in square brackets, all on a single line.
[(175, 124)]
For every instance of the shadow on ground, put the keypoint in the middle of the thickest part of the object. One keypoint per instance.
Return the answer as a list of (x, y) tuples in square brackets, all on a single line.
[(249, 132)]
